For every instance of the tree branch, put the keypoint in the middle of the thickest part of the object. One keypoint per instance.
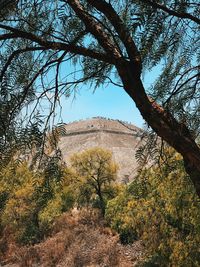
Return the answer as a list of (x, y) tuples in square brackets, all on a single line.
[(182, 15), (72, 48), (120, 28), (14, 54), (95, 29)]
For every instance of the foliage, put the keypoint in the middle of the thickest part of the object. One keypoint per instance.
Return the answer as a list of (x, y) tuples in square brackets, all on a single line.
[(17, 213), (96, 172), (161, 208), (159, 37), (31, 201), (63, 200), (115, 42)]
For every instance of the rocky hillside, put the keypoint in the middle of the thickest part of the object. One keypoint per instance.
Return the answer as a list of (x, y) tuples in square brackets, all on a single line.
[(120, 137)]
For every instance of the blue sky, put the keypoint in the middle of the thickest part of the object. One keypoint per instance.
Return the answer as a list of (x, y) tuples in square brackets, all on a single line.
[(109, 101)]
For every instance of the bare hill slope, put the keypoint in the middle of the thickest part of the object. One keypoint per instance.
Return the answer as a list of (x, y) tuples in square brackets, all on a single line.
[(119, 137)]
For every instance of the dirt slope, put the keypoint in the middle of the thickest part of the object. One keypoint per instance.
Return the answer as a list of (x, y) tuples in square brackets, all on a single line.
[(78, 239)]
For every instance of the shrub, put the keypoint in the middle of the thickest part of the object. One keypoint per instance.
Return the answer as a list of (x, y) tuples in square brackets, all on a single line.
[(161, 208)]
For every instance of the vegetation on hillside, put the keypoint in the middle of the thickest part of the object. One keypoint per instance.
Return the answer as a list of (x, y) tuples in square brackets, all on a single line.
[(159, 208), (115, 42)]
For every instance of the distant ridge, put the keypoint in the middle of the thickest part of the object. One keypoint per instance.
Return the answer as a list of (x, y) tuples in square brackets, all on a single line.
[(121, 138)]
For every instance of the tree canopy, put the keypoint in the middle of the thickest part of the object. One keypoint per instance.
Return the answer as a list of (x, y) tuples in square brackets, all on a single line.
[(97, 172), (108, 41)]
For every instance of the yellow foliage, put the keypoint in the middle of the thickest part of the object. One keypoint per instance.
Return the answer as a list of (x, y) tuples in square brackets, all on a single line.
[(166, 216), (30, 200), (52, 210), (96, 172)]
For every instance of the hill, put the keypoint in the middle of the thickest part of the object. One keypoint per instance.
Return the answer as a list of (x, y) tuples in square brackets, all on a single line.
[(121, 138)]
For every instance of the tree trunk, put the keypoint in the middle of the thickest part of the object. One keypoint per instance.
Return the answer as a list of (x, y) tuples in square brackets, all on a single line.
[(162, 122), (101, 200)]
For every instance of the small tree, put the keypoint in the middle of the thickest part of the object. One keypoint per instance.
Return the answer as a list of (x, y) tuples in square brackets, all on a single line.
[(98, 171)]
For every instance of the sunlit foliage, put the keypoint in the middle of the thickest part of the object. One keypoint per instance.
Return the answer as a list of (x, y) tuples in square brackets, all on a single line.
[(161, 208), (97, 172), (30, 202)]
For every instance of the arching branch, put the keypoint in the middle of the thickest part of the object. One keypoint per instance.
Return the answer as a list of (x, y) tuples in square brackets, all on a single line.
[(94, 28), (16, 53), (53, 45)]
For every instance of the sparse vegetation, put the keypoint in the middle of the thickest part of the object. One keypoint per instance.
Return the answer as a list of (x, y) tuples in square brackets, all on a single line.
[(78, 239)]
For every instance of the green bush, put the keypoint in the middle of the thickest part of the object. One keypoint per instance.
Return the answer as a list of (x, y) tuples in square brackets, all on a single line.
[(161, 208), (30, 201)]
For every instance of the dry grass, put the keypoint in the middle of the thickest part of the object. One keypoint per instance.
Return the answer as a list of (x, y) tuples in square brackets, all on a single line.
[(78, 239)]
